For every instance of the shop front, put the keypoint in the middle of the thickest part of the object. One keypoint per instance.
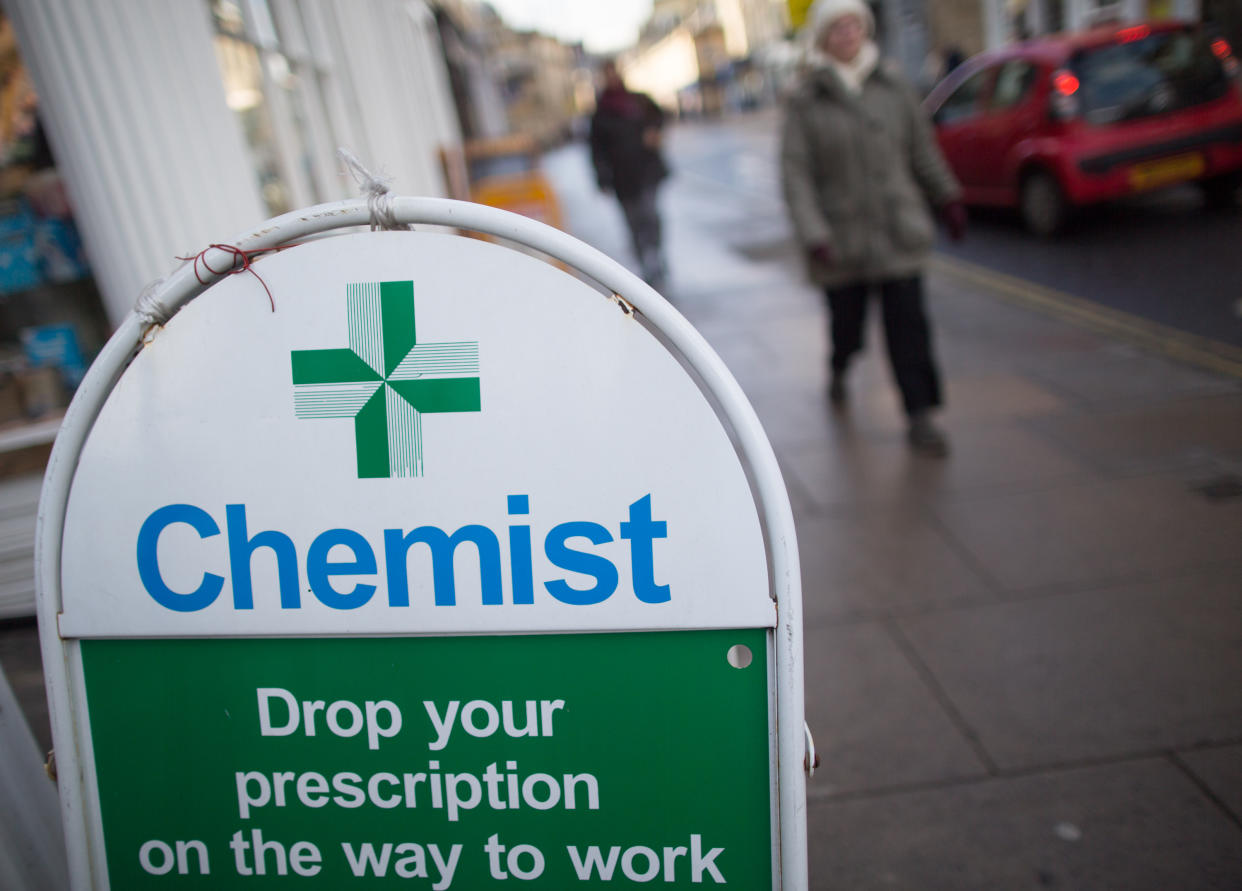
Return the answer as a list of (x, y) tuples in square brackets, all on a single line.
[(51, 316)]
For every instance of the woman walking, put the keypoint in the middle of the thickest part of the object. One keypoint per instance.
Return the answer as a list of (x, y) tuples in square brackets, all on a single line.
[(861, 171)]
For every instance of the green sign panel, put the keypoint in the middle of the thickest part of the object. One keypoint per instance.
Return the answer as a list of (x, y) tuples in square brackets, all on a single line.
[(542, 761)]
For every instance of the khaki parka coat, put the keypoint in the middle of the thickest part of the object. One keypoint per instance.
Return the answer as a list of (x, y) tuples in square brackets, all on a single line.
[(858, 173)]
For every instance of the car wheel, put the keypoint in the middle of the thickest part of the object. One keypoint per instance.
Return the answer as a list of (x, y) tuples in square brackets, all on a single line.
[(1043, 204), (1221, 192)]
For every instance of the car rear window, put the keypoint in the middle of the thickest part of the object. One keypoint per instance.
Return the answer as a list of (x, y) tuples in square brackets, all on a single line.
[(1146, 74)]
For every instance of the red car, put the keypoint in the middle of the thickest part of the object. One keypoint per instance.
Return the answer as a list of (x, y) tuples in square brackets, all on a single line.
[(1077, 119)]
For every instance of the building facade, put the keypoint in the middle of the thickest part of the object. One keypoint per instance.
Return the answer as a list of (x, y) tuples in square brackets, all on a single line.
[(706, 56), (176, 125)]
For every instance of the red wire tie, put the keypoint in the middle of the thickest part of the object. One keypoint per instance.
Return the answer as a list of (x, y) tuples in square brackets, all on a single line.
[(238, 255)]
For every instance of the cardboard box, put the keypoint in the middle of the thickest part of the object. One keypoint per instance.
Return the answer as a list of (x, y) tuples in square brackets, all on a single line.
[(11, 406), (42, 391)]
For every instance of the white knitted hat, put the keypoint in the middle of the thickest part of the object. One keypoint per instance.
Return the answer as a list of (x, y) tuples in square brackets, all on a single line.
[(825, 12)]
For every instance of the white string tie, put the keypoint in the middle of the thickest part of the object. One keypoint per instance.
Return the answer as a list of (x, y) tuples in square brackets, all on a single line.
[(811, 761), (149, 308), (376, 190)]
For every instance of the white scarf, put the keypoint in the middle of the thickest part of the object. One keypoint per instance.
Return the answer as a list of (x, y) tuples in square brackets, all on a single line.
[(852, 74)]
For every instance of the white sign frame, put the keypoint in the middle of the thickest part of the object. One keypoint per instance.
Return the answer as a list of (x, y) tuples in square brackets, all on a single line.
[(62, 657)]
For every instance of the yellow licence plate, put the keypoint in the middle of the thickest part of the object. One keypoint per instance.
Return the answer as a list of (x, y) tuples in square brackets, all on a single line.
[(1170, 170)]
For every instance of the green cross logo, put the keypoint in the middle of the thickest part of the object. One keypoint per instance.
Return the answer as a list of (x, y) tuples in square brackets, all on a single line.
[(386, 381)]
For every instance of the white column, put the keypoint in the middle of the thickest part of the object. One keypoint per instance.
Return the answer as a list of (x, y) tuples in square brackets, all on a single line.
[(312, 97), (995, 23), (389, 64), (133, 104)]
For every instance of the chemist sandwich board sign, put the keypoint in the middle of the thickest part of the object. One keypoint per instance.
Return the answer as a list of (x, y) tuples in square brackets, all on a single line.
[(436, 577)]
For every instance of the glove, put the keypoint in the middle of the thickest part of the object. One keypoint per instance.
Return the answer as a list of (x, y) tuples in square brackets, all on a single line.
[(823, 254), (953, 215)]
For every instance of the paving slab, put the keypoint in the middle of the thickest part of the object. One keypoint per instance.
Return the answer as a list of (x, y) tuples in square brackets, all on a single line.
[(796, 342), (874, 464), (998, 397), (1200, 434), (1121, 372), (875, 468), (1091, 532), (876, 722), (1220, 770), (967, 314), (1100, 674), (793, 416), (1140, 826), (880, 562)]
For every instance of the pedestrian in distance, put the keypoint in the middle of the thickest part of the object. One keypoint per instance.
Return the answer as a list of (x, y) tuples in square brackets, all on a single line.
[(861, 173), (626, 151)]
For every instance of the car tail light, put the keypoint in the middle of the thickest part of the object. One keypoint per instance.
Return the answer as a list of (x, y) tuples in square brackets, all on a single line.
[(1065, 86), (1224, 52), (1129, 35)]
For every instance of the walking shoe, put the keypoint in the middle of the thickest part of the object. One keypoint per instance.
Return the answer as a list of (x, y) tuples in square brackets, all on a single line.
[(926, 437)]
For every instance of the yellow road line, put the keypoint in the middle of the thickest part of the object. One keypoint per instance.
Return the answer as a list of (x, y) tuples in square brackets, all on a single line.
[(1192, 349)]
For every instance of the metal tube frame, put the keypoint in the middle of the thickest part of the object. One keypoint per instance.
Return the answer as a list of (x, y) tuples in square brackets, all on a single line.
[(61, 658)]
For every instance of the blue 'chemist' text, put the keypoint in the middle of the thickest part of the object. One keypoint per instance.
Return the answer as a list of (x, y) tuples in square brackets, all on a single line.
[(344, 569)]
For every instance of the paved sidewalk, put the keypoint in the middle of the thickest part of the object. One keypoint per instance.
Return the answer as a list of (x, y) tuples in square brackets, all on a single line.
[(1024, 663)]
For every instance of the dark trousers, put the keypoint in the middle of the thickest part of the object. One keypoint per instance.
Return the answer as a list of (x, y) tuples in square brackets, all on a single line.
[(642, 216), (906, 331)]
